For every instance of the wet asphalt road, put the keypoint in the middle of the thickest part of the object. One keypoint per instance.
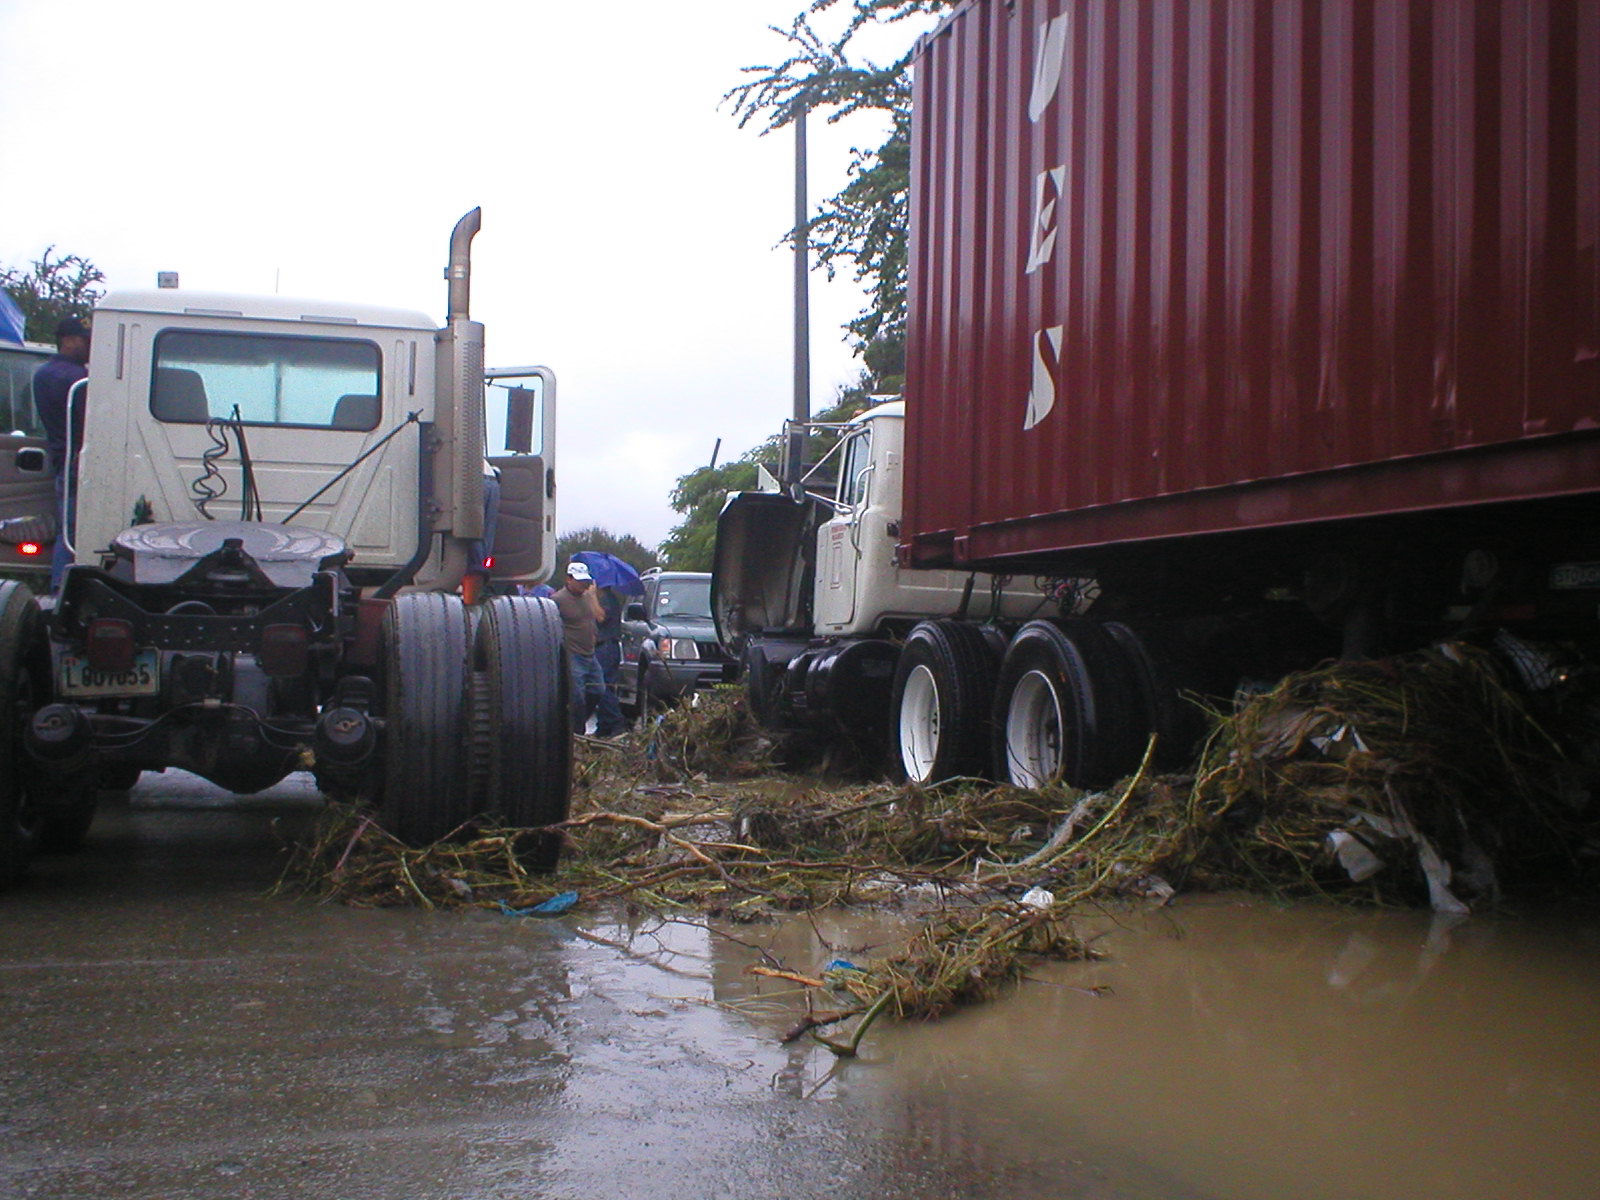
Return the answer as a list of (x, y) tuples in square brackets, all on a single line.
[(171, 1032)]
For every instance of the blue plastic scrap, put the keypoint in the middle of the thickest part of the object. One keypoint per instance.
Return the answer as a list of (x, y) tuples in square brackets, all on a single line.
[(552, 907)]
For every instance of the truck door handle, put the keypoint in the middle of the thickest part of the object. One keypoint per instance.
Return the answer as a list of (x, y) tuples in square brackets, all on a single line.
[(32, 458)]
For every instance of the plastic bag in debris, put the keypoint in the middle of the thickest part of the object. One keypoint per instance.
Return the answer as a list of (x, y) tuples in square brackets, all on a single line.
[(1038, 898), (552, 907)]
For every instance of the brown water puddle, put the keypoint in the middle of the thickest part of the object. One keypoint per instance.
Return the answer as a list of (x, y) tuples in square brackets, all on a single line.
[(172, 1032), (1243, 1050)]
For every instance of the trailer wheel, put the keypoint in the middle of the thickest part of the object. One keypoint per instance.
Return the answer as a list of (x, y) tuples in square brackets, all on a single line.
[(943, 694), (520, 662), (426, 792), (21, 665), (1064, 709)]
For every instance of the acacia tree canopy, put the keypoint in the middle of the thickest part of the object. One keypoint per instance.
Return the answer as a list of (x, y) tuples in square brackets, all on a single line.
[(864, 225), (52, 287)]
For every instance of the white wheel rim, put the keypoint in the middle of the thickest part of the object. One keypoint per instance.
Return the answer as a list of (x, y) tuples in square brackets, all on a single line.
[(919, 724), (1033, 732)]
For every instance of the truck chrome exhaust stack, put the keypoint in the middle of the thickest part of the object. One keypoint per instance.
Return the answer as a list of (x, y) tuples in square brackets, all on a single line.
[(459, 272)]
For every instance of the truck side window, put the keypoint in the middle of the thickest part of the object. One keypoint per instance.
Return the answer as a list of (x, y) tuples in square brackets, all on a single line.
[(331, 383), (852, 480)]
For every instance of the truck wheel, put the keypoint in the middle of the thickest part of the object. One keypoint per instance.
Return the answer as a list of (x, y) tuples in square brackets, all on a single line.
[(526, 739), (943, 693), (426, 793), (761, 680), (1161, 672), (22, 665), (1064, 709)]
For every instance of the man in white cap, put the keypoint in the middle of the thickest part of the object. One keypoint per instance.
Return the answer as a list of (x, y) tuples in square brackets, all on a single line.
[(581, 615)]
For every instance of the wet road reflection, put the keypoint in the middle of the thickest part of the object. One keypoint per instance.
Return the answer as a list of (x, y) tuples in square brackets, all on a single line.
[(172, 1033)]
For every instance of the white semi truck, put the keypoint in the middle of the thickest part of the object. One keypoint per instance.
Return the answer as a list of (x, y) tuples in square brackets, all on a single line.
[(277, 504)]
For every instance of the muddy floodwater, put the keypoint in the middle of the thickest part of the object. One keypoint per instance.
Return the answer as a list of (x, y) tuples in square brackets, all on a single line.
[(169, 1032)]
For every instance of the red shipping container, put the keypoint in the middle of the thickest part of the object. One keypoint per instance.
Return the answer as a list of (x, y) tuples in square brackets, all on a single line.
[(1191, 266)]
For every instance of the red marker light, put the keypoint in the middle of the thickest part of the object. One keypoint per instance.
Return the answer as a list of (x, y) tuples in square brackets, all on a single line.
[(488, 563), (28, 547)]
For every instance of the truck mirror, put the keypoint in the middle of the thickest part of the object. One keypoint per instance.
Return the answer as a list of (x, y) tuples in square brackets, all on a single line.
[(634, 612), (520, 404)]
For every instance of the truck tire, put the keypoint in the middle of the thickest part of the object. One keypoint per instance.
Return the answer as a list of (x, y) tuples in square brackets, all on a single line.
[(21, 663), (761, 682), (1065, 708), (1162, 670), (526, 725), (426, 793), (943, 698)]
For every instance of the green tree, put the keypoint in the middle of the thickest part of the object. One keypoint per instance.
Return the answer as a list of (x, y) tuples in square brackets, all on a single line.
[(52, 288), (691, 546), (624, 545)]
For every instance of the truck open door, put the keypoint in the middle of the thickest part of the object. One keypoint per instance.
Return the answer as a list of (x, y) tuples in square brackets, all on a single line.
[(525, 538)]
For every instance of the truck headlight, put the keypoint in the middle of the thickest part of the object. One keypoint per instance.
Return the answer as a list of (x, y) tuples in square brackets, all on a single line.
[(682, 649)]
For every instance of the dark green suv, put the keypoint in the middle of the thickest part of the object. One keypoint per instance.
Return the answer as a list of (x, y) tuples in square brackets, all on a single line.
[(669, 644)]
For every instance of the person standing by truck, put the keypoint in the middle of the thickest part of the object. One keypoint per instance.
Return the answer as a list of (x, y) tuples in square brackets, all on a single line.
[(52, 385), (608, 653), (581, 614)]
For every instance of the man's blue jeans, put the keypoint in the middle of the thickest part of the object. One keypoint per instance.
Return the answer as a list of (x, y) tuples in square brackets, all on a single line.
[(588, 688), (609, 655)]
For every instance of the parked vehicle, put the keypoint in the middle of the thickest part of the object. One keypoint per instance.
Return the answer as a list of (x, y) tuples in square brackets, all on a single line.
[(278, 500), (669, 642), (1235, 343), (27, 487)]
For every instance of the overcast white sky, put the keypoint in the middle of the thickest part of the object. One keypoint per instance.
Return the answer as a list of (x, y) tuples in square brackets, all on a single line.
[(325, 148)]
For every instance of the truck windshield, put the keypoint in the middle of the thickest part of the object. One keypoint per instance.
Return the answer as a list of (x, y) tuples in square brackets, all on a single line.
[(17, 365), (331, 383), (684, 598)]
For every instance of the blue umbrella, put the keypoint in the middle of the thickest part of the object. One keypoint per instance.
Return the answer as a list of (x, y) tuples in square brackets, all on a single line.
[(610, 571)]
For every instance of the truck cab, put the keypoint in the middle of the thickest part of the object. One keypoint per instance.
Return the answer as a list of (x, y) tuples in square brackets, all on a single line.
[(808, 590)]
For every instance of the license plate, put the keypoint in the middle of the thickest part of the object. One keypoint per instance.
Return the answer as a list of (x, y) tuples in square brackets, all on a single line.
[(79, 679), (1573, 576)]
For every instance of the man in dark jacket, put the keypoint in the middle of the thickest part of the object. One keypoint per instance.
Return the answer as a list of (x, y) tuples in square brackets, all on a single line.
[(52, 383)]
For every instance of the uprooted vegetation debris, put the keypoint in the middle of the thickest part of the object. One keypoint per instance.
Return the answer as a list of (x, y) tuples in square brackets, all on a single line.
[(1437, 777)]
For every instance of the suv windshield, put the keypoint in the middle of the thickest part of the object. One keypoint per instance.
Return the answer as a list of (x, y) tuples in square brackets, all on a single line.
[(17, 366), (326, 382), (684, 598)]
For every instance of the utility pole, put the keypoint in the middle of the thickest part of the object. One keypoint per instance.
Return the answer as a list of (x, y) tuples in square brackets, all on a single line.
[(802, 299)]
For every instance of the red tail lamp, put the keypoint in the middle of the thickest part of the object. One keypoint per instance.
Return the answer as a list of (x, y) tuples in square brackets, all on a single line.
[(284, 649), (109, 644), (29, 548)]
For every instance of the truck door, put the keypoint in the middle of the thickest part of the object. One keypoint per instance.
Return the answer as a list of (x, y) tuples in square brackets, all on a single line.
[(524, 537), (839, 540)]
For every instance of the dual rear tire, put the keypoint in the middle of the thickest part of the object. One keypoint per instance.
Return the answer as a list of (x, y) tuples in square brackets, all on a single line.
[(1071, 701), (476, 710), (943, 688)]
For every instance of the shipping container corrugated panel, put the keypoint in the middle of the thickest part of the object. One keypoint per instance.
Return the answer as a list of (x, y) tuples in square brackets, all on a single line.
[(1186, 266)]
